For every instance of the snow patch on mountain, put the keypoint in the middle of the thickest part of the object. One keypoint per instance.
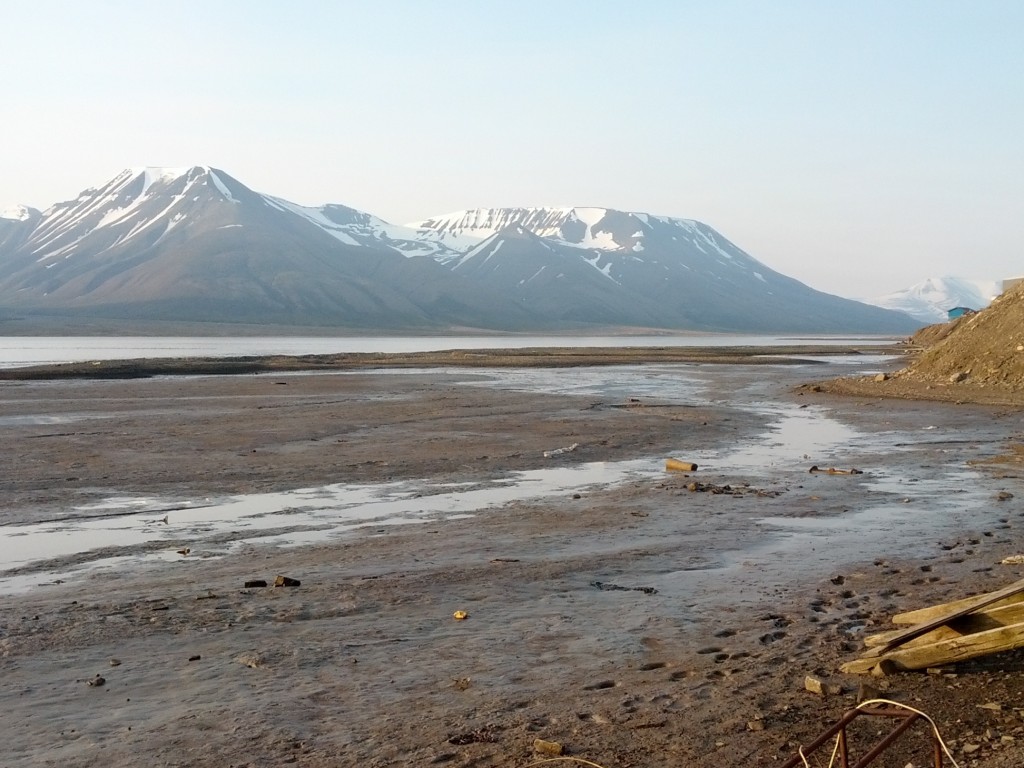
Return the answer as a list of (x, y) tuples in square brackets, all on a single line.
[(930, 300), (17, 213), (152, 176), (314, 216)]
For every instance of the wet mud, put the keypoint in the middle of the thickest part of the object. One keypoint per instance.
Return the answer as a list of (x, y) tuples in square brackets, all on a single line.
[(635, 616)]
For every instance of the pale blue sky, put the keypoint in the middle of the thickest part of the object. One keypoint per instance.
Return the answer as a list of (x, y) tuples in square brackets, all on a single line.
[(857, 146)]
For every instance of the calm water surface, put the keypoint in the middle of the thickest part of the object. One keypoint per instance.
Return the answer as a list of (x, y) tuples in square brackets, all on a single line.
[(40, 350)]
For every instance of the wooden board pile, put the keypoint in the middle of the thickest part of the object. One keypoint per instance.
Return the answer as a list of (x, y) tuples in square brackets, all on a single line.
[(948, 633)]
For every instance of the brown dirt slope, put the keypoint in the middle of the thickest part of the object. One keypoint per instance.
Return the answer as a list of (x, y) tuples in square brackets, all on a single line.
[(978, 358), (988, 347)]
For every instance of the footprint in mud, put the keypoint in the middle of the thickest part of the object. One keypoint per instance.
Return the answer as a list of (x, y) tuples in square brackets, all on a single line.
[(709, 650), (720, 657), (725, 633), (652, 666), (770, 637), (600, 686), (681, 674), (593, 717)]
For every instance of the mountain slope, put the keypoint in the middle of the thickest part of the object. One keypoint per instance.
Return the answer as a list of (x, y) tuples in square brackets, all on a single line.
[(196, 244), (675, 272)]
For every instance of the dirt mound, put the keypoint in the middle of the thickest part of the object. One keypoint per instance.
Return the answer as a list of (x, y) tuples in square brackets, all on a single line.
[(933, 334), (977, 358), (985, 349)]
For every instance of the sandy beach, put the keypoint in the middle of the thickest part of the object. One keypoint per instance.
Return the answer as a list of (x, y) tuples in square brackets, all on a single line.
[(642, 622)]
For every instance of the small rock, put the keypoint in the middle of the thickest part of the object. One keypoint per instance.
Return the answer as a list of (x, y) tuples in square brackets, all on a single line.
[(867, 692), (1004, 496), (837, 580), (97, 681), (115, 662), (250, 660), (286, 581), (959, 376), (197, 657), (992, 705), (880, 377), (814, 685), (255, 583), (971, 748), (755, 725), (547, 747)]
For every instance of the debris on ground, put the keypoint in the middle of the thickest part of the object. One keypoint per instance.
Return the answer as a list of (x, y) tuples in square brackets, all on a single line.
[(547, 747), (948, 633), (560, 451), (833, 471), (604, 586), (678, 465)]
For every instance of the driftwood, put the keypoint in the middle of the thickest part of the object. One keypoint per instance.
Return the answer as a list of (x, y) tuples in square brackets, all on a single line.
[(948, 633)]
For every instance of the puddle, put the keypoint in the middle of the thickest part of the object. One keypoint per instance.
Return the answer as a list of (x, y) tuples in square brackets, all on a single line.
[(129, 530), (309, 515), (797, 439)]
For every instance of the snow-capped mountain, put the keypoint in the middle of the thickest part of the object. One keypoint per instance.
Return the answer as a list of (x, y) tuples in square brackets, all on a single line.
[(197, 244), (930, 300)]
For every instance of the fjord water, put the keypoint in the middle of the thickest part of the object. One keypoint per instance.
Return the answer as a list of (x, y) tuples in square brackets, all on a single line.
[(42, 350)]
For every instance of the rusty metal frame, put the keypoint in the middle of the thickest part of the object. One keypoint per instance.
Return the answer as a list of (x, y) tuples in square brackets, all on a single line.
[(839, 729)]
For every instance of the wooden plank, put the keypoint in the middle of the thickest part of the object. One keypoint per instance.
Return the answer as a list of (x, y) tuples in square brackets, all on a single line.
[(926, 614), (976, 603), (959, 648), (994, 616)]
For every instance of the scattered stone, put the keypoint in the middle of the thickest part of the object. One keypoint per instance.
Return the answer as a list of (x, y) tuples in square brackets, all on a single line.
[(547, 747), (115, 662), (867, 692), (197, 657), (755, 725), (286, 581), (184, 551), (97, 681), (460, 615), (255, 583), (839, 579), (461, 683), (968, 749), (959, 376), (880, 377), (251, 660), (992, 705), (1004, 496), (814, 685)]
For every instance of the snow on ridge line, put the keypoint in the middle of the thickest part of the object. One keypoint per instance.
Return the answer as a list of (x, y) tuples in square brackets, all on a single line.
[(221, 187), (16, 213)]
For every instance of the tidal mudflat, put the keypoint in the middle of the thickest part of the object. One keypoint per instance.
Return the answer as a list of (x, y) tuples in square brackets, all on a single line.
[(637, 617)]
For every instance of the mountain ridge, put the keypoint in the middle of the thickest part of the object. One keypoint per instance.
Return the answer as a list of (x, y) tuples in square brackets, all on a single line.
[(196, 243)]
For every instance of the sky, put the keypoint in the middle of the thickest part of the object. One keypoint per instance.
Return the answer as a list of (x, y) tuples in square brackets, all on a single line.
[(859, 147)]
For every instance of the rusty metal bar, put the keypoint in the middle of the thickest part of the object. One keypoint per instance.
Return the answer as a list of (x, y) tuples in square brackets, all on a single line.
[(883, 745), (794, 761), (908, 717)]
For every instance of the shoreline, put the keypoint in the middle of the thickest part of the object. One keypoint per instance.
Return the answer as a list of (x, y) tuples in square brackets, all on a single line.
[(527, 357)]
